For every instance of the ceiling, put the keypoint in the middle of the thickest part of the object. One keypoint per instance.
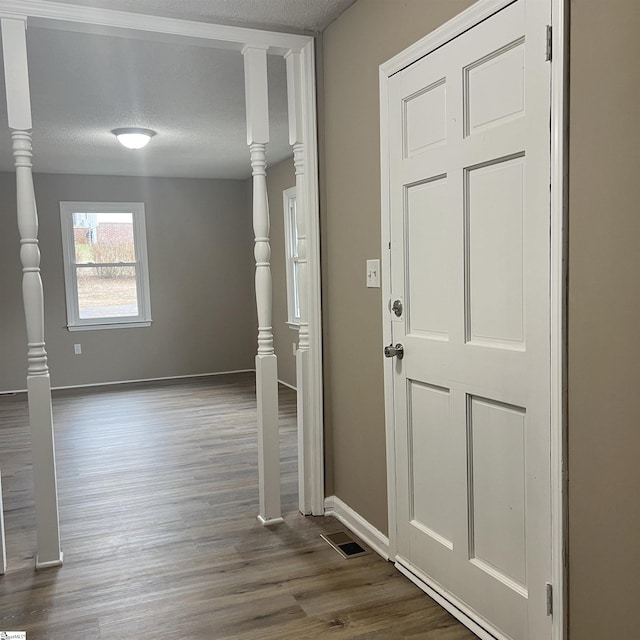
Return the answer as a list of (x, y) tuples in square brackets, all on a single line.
[(273, 15), (84, 85)]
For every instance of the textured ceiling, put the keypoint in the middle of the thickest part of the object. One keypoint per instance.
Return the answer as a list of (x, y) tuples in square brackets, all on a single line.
[(84, 85), (299, 15)]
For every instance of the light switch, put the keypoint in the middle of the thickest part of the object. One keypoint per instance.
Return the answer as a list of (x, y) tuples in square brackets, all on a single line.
[(373, 273), (77, 349)]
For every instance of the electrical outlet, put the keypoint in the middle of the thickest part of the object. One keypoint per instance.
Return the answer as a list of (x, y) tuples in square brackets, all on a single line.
[(77, 349), (373, 273)]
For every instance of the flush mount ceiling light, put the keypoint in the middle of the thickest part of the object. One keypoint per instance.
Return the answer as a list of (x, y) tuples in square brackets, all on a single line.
[(133, 137)]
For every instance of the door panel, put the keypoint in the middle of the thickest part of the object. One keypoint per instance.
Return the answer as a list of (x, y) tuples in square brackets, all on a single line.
[(494, 88), (494, 206), (429, 444), (469, 168), (425, 119), (426, 231), (496, 452)]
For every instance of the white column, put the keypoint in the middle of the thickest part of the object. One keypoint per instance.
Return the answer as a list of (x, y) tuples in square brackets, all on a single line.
[(3, 547), (38, 382), (256, 94), (296, 137)]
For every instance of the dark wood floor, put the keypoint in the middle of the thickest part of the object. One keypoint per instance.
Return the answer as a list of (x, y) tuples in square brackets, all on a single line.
[(158, 498)]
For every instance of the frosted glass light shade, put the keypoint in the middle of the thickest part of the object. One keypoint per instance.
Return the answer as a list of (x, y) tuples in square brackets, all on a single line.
[(133, 137)]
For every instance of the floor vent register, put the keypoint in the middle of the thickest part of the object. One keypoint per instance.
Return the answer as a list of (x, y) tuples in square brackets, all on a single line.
[(344, 544)]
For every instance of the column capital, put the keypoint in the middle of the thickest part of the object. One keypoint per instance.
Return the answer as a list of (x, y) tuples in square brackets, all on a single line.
[(254, 47), (16, 73), (294, 96), (256, 93)]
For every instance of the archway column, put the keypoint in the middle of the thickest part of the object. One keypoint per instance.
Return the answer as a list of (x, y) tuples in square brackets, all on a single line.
[(296, 140), (3, 546), (257, 103), (38, 382)]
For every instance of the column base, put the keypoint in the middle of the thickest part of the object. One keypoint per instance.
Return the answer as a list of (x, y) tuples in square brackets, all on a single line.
[(269, 522), (49, 563), (270, 510)]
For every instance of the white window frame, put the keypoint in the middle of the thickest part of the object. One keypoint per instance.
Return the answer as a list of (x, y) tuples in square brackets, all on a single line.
[(291, 257), (74, 322)]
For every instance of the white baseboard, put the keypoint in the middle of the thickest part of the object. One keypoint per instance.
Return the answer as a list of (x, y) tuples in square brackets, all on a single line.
[(11, 392), (286, 384), (115, 382), (190, 375), (336, 508)]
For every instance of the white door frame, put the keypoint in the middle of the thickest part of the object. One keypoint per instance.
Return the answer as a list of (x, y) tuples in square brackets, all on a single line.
[(301, 82), (472, 16)]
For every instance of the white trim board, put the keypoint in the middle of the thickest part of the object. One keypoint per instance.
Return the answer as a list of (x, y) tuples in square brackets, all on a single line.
[(338, 509), (54, 15), (286, 384), (471, 16), (315, 424), (475, 14), (140, 380), (136, 381), (560, 10)]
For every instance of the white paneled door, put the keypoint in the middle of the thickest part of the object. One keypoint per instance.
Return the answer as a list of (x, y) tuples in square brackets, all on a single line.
[(470, 251)]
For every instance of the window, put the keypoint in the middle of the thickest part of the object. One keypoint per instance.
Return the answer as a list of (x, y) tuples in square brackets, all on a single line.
[(105, 265), (291, 249)]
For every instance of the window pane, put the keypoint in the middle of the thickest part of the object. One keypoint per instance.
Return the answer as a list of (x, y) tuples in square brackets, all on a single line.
[(107, 292), (293, 249), (296, 294), (103, 237)]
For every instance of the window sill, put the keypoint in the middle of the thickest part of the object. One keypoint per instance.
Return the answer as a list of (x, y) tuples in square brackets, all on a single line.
[(109, 325), (294, 325)]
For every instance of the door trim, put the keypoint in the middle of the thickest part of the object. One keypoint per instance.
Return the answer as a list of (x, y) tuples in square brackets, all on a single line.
[(558, 168)]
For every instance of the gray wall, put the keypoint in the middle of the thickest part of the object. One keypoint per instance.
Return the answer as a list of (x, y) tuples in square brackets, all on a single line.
[(366, 35), (199, 241), (604, 308), (279, 178)]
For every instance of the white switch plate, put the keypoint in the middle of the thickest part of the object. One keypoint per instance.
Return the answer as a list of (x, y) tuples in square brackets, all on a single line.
[(373, 273), (77, 349)]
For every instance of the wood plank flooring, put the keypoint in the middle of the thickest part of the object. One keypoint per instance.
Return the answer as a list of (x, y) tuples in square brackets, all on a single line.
[(158, 504)]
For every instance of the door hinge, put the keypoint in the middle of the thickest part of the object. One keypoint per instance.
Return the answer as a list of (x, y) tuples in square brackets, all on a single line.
[(549, 42), (549, 587)]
